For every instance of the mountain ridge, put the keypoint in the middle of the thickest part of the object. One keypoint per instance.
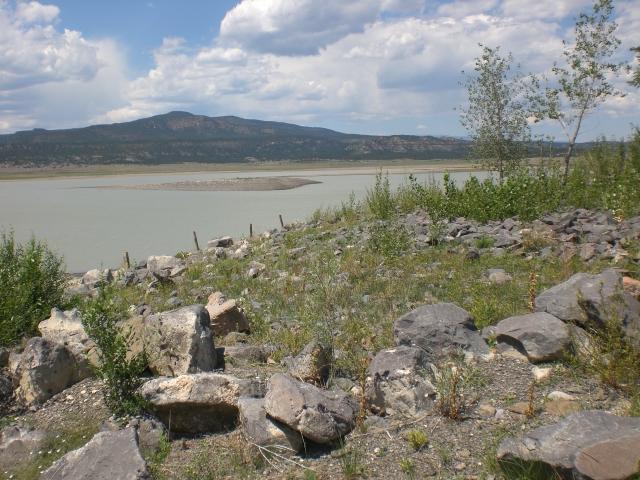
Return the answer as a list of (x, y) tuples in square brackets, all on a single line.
[(178, 137)]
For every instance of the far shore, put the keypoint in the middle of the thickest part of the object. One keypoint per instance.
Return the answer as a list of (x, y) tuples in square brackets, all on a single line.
[(346, 167)]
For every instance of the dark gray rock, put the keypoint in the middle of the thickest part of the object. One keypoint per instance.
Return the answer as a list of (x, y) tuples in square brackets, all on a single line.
[(6, 389), (265, 431), (563, 446), (197, 403), (539, 336), (4, 357), (244, 354), (17, 445), (107, 456), (319, 415), (591, 300), (151, 433), (439, 330), (180, 341), (223, 242), (397, 383)]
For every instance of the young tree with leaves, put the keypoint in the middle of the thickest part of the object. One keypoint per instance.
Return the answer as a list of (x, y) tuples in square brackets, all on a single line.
[(497, 112), (584, 82), (635, 81)]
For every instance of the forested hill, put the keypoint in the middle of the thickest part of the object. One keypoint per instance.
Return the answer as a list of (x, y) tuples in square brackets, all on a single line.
[(178, 137)]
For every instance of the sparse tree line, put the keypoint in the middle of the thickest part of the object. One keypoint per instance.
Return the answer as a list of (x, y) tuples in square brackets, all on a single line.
[(502, 102)]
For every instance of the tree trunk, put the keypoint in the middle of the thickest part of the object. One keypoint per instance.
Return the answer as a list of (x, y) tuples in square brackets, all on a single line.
[(567, 158)]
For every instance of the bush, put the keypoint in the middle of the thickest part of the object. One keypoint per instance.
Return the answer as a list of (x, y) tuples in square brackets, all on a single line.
[(119, 368), (379, 200), (32, 281), (417, 438)]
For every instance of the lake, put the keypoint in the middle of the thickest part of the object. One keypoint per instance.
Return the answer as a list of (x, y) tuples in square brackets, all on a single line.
[(92, 227)]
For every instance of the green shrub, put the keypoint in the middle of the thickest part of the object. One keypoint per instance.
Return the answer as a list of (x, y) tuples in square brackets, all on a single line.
[(118, 366), (388, 240), (32, 281), (408, 467), (380, 200), (417, 438)]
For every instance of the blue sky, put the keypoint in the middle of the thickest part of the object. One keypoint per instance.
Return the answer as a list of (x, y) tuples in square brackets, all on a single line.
[(363, 66)]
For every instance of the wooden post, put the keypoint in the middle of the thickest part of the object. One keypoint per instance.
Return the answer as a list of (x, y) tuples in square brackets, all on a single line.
[(195, 240), (281, 222), (127, 262), (251, 230)]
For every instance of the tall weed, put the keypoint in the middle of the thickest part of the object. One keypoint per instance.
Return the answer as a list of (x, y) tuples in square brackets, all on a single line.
[(32, 281)]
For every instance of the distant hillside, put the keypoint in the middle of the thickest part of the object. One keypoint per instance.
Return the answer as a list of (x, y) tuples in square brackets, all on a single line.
[(178, 137)]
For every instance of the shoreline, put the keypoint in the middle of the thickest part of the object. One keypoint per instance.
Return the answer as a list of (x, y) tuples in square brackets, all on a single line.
[(8, 174)]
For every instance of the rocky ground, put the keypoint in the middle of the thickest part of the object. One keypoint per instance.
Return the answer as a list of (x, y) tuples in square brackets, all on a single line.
[(341, 348)]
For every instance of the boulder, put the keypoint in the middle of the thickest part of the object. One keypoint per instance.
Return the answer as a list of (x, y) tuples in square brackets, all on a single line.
[(107, 456), (180, 341), (498, 276), (197, 403), (589, 445), (96, 278), (44, 369), (150, 434), (320, 415), (396, 382), (6, 389), (265, 431), (220, 242), (17, 444), (65, 327), (539, 336), (244, 354), (4, 357), (591, 300), (164, 265), (225, 315), (312, 364), (439, 330)]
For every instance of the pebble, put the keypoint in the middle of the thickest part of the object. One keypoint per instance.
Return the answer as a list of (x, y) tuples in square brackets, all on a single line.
[(540, 373)]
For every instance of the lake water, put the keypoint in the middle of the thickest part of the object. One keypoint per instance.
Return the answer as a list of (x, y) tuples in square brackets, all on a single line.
[(92, 227)]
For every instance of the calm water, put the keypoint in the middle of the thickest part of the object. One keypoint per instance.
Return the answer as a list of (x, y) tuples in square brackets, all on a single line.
[(93, 227)]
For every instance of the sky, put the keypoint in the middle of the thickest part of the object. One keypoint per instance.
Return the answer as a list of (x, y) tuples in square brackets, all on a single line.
[(358, 66)]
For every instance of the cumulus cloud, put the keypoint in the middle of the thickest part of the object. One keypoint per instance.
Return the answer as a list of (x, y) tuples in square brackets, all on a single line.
[(362, 65), (33, 12), (32, 53), (300, 27), (52, 77)]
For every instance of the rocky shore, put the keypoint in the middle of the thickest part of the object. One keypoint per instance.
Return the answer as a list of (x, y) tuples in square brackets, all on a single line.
[(437, 392)]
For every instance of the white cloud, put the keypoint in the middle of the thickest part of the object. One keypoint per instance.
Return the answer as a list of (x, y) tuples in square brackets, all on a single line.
[(545, 9), (36, 53), (51, 77), (34, 12), (350, 65)]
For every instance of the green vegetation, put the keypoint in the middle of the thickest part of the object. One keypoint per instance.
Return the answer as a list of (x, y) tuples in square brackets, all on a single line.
[(32, 279), (408, 467), (417, 438), (584, 82), (497, 112), (635, 81), (352, 462), (605, 178), (119, 367)]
